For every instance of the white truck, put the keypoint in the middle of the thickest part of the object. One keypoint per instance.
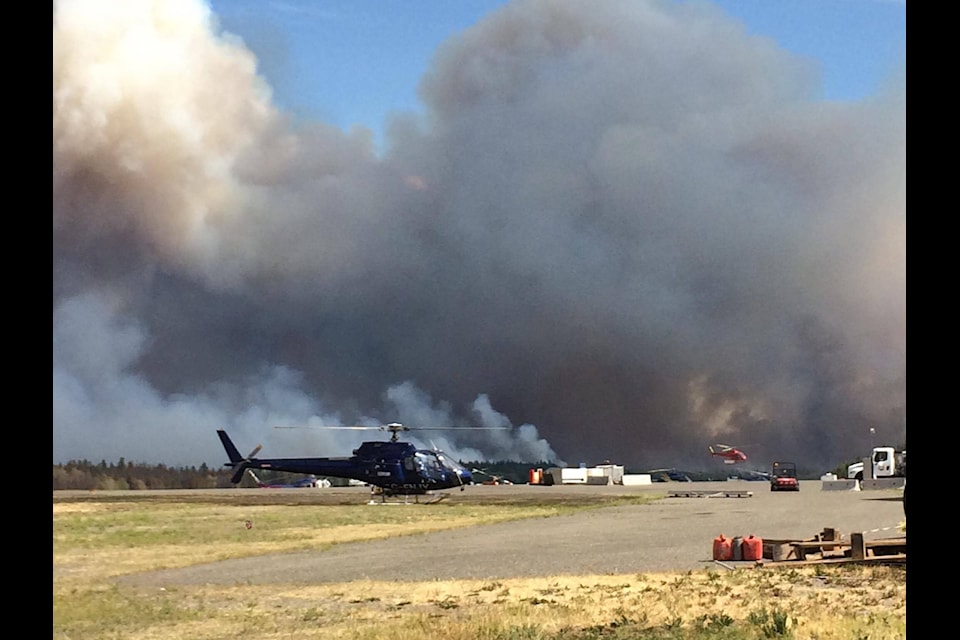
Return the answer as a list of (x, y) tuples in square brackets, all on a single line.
[(885, 468)]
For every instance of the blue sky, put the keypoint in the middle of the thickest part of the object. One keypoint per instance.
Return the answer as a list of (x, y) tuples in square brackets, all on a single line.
[(348, 62)]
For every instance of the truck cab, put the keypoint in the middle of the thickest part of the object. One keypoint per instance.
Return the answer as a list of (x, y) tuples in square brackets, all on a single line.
[(784, 477), (889, 463), (884, 462)]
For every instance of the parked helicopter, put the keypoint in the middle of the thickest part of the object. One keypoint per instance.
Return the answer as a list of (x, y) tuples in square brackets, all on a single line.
[(492, 478), (730, 455), (308, 482), (391, 468)]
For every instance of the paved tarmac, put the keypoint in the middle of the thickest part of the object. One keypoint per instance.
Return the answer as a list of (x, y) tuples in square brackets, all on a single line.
[(671, 534)]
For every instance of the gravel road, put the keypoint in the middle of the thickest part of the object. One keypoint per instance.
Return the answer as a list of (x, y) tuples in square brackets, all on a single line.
[(671, 534)]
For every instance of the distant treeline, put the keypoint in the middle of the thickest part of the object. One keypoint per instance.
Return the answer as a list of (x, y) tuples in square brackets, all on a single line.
[(88, 475), (515, 472)]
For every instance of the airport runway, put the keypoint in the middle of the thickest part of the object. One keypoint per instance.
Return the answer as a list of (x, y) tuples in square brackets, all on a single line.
[(671, 534)]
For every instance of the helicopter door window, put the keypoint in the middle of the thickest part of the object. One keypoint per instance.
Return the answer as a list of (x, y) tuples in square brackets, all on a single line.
[(408, 463)]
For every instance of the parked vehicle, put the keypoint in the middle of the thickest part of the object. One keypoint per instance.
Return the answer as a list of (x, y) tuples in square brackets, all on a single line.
[(884, 462), (784, 477)]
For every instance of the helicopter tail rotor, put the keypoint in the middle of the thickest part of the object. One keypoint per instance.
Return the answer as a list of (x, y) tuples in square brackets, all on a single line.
[(244, 465), (238, 462)]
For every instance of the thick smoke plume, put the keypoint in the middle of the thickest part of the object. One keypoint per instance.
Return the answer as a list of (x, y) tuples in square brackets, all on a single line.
[(628, 230)]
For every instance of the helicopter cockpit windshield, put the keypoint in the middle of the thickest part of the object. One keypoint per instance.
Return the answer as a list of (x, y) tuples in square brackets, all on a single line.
[(450, 463), (433, 464)]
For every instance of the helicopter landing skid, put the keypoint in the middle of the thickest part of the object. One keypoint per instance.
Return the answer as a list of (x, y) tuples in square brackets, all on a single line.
[(430, 498)]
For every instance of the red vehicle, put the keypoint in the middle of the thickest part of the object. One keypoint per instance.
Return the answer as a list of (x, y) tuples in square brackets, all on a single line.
[(784, 477)]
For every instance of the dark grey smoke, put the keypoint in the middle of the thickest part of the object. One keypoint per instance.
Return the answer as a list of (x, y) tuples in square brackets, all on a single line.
[(626, 229)]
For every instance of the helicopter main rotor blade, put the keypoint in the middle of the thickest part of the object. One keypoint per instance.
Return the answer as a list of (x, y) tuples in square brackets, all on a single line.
[(455, 428), (393, 427), (337, 427)]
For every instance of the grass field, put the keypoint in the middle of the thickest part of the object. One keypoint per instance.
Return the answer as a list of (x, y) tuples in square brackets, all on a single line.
[(96, 539)]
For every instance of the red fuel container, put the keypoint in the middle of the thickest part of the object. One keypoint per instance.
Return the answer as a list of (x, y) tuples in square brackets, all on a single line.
[(752, 548), (722, 548)]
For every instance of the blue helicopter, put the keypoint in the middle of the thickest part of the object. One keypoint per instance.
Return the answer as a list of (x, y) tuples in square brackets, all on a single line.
[(391, 468)]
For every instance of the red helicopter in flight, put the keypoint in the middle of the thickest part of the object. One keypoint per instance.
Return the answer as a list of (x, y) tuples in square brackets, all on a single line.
[(730, 455)]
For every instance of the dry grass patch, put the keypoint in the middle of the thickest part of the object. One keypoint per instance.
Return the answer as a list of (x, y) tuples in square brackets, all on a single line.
[(807, 604)]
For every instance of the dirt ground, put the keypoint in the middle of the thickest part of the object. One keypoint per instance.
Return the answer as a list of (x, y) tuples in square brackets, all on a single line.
[(671, 534)]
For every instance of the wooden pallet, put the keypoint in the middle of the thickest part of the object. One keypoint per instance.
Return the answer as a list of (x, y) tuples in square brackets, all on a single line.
[(830, 547), (737, 493)]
